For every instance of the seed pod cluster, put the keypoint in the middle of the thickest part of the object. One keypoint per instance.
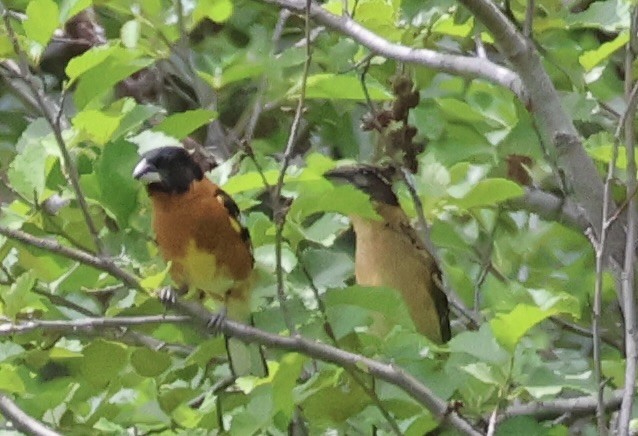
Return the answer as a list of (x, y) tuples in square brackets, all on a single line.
[(392, 123)]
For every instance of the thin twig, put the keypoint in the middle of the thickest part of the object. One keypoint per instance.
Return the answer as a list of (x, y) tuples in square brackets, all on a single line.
[(125, 335), (486, 264), (21, 421), (280, 206), (582, 331), (528, 30), (578, 406), (83, 257), (53, 118), (628, 283), (622, 207), (355, 376), (599, 249), (454, 299)]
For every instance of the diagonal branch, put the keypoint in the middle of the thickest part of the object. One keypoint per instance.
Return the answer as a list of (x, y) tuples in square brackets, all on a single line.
[(578, 406), (83, 257), (327, 353), (470, 67), (556, 128), (317, 350)]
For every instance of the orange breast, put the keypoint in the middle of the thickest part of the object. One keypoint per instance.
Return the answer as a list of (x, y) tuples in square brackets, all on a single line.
[(194, 232)]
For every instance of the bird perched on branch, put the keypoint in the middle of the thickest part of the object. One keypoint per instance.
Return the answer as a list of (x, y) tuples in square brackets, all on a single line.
[(390, 253), (198, 229)]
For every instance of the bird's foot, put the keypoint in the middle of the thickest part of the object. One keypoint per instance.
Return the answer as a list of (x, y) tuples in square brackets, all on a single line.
[(216, 322), (167, 295)]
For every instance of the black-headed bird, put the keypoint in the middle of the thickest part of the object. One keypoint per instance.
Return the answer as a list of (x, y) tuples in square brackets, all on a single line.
[(198, 230), (390, 253)]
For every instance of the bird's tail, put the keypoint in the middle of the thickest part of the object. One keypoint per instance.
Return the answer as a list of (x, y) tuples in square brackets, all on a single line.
[(246, 359)]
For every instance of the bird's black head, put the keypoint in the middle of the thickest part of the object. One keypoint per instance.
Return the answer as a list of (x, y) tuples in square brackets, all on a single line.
[(167, 169), (374, 181)]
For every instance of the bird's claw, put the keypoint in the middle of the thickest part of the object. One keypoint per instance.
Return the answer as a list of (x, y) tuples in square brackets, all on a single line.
[(167, 295), (216, 322)]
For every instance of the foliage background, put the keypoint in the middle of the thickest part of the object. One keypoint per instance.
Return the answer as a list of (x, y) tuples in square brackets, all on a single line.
[(229, 74)]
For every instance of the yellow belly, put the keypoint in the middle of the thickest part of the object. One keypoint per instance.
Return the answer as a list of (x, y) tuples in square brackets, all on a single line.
[(199, 271)]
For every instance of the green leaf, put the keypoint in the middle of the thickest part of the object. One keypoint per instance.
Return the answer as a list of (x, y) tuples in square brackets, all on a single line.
[(591, 58), (341, 87), (456, 109), (152, 282), (481, 345), (380, 17), (20, 299), (42, 20), (284, 381), (88, 60), (98, 126), (521, 426), (206, 350), (27, 173), (265, 256), (325, 229), (328, 269), (559, 301), (249, 181), (380, 300), (608, 15), (321, 196), (130, 33), (218, 11), (69, 8), (150, 363), (118, 188), (489, 192), (104, 426), (509, 328), (101, 78), (102, 361), (134, 117), (180, 125), (186, 416), (484, 372), (10, 381), (9, 350)]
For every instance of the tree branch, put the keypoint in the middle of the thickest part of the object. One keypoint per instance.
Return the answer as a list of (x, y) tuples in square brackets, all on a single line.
[(628, 276), (556, 128), (469, 67), (551, 207), (578, 406), (9, 328), (72, 253), (280, 210), (21, 421), (387, 372)]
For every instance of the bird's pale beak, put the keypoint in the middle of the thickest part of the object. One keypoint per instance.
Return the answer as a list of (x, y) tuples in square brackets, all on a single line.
[(146, 173)]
